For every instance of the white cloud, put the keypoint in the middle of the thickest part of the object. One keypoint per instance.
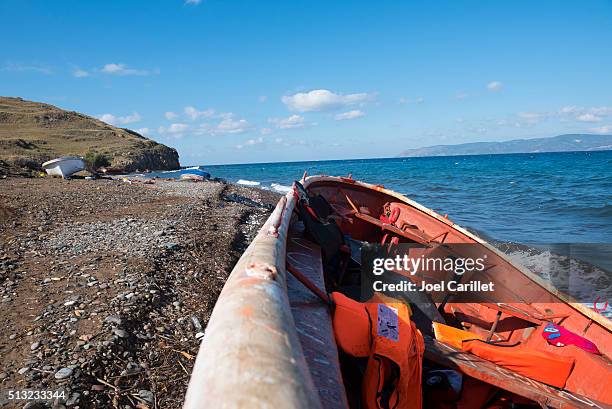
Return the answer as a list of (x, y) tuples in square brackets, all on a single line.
[(494, 86), (108, 118), (403, 101), (588, 117), (194, 114), (531, 117), (263, 98), (176, 130), (193, 2), (232, 126), (170, 115), (120, 120), (144, 131), (251, 142), (601, 111), (265, 131), (606, 129), (355, 113), (291, 122), (20, 67), (79, 73), (122, 69), (321, 100), (461, 96), (227, 125), (569, 109)]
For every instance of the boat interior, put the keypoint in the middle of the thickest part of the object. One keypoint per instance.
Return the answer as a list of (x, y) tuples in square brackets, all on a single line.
[(511, 321)]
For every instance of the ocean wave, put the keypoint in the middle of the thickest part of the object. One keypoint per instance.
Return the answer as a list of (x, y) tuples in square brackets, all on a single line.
[(248, 182), (281, 188), (580, 279)]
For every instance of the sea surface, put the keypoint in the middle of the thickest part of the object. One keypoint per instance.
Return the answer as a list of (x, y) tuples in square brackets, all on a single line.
[(528, 198), (526, 204)]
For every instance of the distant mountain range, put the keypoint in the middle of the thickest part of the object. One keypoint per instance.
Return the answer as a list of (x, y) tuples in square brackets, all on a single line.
[(561, 143)]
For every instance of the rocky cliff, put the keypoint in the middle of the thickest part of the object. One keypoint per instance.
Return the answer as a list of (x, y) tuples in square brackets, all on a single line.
[(32, 133)]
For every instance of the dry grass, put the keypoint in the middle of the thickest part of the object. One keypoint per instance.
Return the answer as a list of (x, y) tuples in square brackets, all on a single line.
[(32, 132)]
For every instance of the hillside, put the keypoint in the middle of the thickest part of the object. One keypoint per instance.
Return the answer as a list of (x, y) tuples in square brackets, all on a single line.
[(561, 143), (32, 133)]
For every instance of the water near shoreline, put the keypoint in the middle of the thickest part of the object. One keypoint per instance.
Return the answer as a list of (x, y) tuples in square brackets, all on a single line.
[(526, 198), (531, 199)]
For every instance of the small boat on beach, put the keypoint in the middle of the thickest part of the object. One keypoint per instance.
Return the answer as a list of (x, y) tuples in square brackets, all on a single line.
[(195, 173), (304, 321), (64, 166)]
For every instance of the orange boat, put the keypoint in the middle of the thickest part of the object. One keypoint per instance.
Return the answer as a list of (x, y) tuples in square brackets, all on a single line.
[(272, 340)]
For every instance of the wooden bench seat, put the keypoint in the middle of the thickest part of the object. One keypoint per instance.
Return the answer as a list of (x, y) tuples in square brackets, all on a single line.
[(313, 320)]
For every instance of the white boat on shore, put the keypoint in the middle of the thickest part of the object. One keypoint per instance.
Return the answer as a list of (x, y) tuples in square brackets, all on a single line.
[(64, 166)]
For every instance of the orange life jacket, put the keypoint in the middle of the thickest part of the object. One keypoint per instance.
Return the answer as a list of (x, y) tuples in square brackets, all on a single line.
[(381, 330), (541, 366)]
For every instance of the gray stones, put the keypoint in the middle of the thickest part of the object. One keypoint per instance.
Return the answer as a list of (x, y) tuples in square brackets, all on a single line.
[(63, 373), (73, 399), (23, 370), (196, 323), (35, 346), (146, 395), (114, 319), (121, 333), (171, 245)]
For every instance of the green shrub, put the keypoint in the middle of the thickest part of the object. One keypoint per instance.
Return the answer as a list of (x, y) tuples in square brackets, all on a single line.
[(94, 161)]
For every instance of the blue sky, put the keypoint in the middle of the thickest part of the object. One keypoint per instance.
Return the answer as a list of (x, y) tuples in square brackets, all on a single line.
[(250, 81)]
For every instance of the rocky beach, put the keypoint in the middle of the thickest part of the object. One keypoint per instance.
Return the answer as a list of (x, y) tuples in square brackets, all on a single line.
[(106, 287)]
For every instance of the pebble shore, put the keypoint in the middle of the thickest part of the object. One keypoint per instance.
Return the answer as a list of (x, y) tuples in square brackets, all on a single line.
[(106, 287)]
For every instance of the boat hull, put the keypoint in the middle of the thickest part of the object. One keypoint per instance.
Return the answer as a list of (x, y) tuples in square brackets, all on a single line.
[(64, 167), (253, 314)]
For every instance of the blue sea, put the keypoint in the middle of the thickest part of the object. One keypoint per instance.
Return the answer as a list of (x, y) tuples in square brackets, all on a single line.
[(525, 204), (527, 198)]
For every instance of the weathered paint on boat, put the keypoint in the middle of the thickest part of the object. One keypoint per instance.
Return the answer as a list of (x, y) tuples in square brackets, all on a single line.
[(251, 355)]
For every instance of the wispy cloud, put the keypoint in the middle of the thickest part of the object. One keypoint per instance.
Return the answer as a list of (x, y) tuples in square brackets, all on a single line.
[(176, 130), (251, 142), (193, 113), (227, 125), (322, 100), (588, 117), (232, 126), (494, 86), (79, 73), (144, 131), (291, 122), (170, 115), (531, 117), (22, 67), (404, 101), (122, 70), (355, 113), (193, 2), (606, 129), (120, 120)]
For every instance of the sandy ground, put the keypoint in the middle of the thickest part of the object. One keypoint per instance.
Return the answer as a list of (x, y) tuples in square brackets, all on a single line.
[(106, 287)]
